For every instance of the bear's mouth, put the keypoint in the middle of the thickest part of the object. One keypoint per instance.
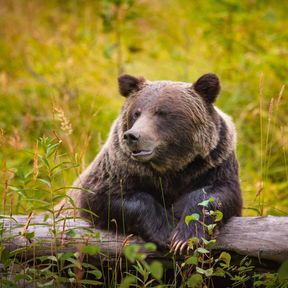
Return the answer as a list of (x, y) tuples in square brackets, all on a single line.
[(142, 154)]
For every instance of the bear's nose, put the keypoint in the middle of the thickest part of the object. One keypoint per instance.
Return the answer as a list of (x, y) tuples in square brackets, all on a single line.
[(131, 137)]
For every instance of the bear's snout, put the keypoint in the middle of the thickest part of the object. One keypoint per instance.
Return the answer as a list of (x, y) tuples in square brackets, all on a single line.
[(131, 137), (141, 147)]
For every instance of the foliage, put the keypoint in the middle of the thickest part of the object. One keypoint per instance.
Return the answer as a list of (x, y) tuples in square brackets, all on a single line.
[(60, 62), (58, 68), (145, 274)]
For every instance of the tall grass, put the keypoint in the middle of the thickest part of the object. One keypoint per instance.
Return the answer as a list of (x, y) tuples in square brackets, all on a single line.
[(58, 69), (60, 63)]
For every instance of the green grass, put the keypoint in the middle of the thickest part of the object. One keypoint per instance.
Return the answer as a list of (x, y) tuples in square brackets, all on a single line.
[(59, 62), (74, 267), (66, 57)]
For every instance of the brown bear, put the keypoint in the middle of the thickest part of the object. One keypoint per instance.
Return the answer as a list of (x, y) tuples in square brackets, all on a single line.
[(169, 149)]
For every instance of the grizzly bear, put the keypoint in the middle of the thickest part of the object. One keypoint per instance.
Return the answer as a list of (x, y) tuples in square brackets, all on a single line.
[(169, 149)]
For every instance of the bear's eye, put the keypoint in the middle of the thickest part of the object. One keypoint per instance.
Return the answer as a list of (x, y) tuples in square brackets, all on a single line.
[(136, 114), (161, 113)]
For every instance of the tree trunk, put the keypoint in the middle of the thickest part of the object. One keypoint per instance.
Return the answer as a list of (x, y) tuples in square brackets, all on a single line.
[(265, 238)]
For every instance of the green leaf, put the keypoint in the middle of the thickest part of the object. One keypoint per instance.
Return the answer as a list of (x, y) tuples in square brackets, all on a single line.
[(47, 284), (205, 203), (207, 273), (210, 243), (4, 256), (202, 250), (193, 217), (195, 281), (211, 228), (75, 263), (51, 149), (71, 233), (192, 241), (127, 281), (91, 249), (51, 258), (8, 284), (193, 260), (46, 217), (150, 246), (131, 251), (245, 261), (217, 214), (44, 181), (88, 265), (219, 272), (29, 235), (225, 257), (19, 277), (44, 161), (283, 271), (91, 282), (65, 256), (97, 273), (156, 270), (71, 273)]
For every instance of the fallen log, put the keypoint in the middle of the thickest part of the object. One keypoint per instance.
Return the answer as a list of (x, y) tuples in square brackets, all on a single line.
[(265, 238)]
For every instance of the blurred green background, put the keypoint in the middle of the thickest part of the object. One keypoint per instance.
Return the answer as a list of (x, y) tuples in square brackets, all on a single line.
[(59, 62)]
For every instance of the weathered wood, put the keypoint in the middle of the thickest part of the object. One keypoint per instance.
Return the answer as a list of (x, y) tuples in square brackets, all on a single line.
[(261, 237), (265, 238)]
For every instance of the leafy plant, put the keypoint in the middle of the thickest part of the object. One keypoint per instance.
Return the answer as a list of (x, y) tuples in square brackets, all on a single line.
[(146, 274)]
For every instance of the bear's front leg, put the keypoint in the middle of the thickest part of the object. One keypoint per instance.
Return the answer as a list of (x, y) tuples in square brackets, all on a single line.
[(137, 213), (142, 215), (225, 198)]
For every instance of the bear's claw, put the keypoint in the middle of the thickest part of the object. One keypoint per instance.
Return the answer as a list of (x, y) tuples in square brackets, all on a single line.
[(178, 245), (185, 244)]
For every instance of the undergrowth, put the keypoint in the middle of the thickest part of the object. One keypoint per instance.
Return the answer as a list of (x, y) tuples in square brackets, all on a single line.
[(57, 267), (58, 68)]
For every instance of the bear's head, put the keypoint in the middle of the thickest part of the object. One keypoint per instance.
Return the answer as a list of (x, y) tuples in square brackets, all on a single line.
[(167, 124)]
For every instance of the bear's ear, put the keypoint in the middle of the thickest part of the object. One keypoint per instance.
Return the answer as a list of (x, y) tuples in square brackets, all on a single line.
[(208, 86), (129, 84)]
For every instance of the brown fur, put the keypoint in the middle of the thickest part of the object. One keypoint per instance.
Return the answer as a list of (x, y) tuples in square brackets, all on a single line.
[(192, 144)]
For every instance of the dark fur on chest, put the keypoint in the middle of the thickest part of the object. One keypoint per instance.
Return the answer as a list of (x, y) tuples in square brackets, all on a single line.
[(171, 187), (156, 206)]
